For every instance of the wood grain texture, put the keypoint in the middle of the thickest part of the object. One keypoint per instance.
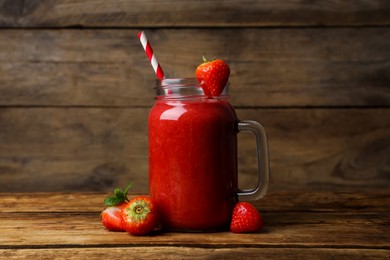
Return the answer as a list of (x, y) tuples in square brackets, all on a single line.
[(96, 149), (55, 148), (270, 67), (284, 229), (291, 201), (75, 88), (176, 13), (169, 252), (316, 225)]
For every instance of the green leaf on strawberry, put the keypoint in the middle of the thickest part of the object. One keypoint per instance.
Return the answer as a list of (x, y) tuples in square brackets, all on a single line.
[(111, 216), (119, 196)]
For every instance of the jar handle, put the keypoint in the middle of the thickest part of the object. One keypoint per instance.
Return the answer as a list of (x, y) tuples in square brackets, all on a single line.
[(262, 160)]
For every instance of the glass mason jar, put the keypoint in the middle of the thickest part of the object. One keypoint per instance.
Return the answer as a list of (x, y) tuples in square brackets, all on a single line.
[(193, 157)]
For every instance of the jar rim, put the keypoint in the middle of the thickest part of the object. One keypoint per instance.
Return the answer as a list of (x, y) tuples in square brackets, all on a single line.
[(177, 82), (183, 88)]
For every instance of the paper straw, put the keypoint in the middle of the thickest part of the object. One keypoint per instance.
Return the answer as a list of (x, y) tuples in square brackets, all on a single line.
[(152, 58)]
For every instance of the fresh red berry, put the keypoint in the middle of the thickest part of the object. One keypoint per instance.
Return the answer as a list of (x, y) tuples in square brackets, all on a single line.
[(246, 218), (139, 216), (112, 215), (213, 76)]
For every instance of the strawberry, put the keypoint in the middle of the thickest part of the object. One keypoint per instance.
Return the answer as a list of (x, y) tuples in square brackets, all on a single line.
[(212, 76), (112, 215), (139, 216), (246, 218)]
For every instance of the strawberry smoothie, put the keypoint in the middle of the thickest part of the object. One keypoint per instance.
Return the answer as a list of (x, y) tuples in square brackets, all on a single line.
[(193, 161)]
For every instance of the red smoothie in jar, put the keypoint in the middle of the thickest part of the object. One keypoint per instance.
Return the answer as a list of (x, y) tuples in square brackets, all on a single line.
[(193, 161)]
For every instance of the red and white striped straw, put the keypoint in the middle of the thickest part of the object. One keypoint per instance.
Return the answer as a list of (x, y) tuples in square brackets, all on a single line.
[(152, 58)]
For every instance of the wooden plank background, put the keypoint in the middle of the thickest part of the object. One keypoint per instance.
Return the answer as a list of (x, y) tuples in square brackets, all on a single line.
[(76, 87)]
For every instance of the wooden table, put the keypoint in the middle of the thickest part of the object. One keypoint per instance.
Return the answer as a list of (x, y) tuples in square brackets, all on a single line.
[(297, 226)]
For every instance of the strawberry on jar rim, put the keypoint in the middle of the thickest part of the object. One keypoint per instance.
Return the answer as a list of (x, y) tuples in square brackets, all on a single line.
[(213, 76)]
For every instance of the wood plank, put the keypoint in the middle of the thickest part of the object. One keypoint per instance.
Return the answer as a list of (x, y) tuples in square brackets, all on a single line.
[(82, 203), (54, 149), (94, 149), (176, 13), (323, 149), (270, 67), (283, 229), (172, 252), (323, 234)]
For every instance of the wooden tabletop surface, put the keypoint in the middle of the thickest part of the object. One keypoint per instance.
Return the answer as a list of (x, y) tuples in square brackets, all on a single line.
[(316, 225)]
